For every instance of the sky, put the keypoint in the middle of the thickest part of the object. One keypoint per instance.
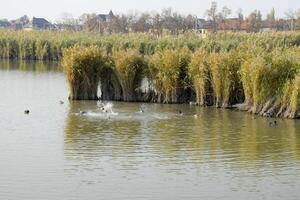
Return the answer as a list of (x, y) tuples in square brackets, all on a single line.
[(54, 9)]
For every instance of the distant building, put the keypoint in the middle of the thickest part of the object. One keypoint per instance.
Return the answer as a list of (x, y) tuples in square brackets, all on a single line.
[(19, 23), (282, 25), (268, 26), (106, 17), (4, 23), (232, 24), (38, 23), (67, 27), (204, 25)]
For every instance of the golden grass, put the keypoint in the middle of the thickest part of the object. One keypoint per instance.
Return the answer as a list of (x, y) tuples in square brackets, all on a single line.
[(83, 67)]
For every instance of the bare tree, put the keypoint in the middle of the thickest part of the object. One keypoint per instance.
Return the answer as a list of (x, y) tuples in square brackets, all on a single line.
[(67, 21), (298, 19), (93, 23), (141, 23), (157, 23), (212, 14), (271, 18), (119, 24), (225, 13), (254, 21), (271, 15), (222, 16), (190, 22), (240, 14), (291, 16)]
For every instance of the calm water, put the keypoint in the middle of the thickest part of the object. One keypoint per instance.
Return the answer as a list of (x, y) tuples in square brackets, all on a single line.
[(56, 153)]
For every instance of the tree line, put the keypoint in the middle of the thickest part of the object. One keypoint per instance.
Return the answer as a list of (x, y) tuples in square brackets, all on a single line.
[(175, 23)]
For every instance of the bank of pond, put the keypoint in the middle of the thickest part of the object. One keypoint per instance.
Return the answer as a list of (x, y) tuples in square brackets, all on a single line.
[(258, 73)]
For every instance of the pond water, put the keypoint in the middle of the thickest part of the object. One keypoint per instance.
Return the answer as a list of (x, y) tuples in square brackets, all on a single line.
[(57, 153)]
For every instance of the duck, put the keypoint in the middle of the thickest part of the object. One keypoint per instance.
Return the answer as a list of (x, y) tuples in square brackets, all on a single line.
[(61, 102), (26, 112), (82, 112), (193, 103), (273, 123), (104, 110), (180, 113)]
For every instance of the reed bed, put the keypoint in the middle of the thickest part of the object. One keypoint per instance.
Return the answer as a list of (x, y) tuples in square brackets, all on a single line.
[(254, 80), (49, 45), (270, 82), (259, 73)]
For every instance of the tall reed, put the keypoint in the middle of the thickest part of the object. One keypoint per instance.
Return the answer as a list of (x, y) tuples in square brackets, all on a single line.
[(83, 67), (168, 70), (49, 45), (200, 74), (270, 84), (129, 67)]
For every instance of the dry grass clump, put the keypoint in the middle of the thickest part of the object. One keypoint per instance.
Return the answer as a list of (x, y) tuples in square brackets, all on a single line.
[(200, 75), (216, 79), (129, 67), (168, 71), (83, 66), (270, 84)]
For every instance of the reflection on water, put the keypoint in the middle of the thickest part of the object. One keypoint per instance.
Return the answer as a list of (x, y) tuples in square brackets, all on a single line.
[(235, 138), (76, 151), (30, 66), (219, 147)]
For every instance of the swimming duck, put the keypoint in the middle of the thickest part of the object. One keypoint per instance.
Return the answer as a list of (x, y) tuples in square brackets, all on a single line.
[(26, 112), (180, 113), (273, 123), (82, 112), (104, 110), (61, 102)]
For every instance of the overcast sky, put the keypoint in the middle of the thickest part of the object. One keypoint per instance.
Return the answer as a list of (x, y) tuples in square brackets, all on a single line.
[(53, 9)]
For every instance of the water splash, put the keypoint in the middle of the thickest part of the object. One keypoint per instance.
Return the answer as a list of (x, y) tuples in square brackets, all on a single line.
[(106, 108)]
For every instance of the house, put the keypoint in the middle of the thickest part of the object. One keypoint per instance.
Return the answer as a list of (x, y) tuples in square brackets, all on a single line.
[(268, 26), (202, 24), (19, 23), (40, 23), (231, 24), (4, 23), (67, 27), (106, 17), (282, 25)]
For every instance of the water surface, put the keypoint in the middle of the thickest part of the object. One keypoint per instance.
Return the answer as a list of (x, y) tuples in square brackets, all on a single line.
[(57, 153)]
